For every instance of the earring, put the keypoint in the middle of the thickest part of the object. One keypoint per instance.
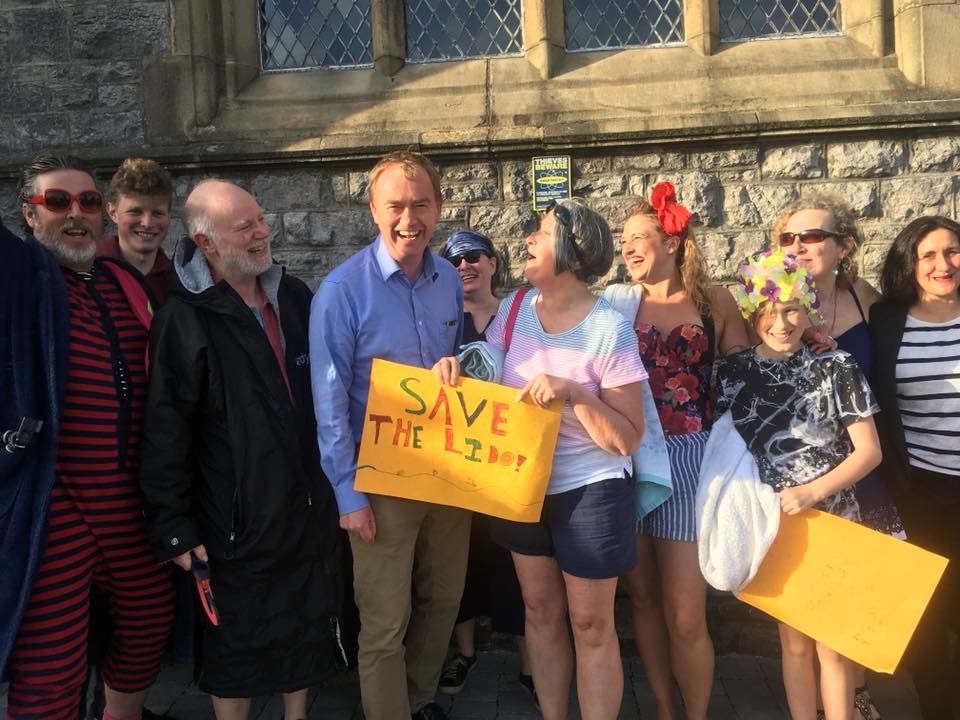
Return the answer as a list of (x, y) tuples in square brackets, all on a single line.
[(836, 271)]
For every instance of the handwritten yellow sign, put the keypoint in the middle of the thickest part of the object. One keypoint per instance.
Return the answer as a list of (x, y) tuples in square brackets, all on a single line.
[(858, 591), (471, 446)]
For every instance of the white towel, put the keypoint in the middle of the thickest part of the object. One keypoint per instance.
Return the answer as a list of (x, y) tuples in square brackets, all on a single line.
[(738, 516)]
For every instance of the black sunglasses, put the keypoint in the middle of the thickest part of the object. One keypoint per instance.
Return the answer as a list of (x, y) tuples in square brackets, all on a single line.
[(472, 257), (807, 237)]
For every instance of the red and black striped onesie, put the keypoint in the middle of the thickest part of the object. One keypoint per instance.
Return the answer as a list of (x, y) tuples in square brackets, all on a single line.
[(95, 527)]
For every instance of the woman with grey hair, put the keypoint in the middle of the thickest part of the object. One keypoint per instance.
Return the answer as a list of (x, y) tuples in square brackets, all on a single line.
[(563, 343)]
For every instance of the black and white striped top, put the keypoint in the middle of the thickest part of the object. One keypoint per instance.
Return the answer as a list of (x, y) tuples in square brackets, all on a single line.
[(928, 394)]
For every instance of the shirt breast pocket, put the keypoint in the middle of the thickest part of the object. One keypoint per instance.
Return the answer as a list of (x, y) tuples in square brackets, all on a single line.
[(448, 330)]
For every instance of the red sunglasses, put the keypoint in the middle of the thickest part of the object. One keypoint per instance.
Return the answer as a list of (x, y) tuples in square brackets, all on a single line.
[(807, 237), (58, 201)]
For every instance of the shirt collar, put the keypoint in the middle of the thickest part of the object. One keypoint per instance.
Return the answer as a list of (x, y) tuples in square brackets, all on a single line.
[(388, 266)]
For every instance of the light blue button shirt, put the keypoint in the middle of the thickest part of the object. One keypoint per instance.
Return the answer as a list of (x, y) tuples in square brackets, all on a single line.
[(366, 308)]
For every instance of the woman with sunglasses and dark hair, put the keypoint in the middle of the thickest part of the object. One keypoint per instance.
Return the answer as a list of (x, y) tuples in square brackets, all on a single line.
[(682, 323), (820, 230), (916, 332), (491, 586), (569, 345)]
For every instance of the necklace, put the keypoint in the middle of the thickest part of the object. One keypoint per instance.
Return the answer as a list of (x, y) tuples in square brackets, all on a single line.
[(833, 321)]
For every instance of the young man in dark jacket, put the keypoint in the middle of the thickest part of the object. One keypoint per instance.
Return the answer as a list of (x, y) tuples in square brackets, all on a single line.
[(230, 467)]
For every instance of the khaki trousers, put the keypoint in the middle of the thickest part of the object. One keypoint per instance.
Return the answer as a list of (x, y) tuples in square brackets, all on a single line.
[(407, 585)]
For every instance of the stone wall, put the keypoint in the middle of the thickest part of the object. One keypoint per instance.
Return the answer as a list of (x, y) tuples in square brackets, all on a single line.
[(320, 217)]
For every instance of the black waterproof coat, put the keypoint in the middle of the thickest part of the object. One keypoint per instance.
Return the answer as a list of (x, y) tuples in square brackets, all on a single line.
[(230, 460)]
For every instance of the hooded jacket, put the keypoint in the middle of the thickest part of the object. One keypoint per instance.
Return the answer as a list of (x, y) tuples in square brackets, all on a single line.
[(229, 456)]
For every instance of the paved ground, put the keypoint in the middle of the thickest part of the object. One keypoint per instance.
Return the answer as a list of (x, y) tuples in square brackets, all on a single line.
[(746, 688)]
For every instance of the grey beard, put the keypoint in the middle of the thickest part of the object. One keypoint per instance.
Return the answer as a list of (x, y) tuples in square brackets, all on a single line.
[(71, 257)]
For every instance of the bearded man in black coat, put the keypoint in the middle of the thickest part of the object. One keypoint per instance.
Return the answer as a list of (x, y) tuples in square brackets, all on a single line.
[(229, 465)]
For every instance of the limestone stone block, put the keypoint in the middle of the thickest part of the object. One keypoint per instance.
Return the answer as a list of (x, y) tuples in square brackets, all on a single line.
[(903, 199), (74, 98), (110, 129), (358, 188), (312, 264), (935, 154), (871, 259), (274, 222), (280, 191), (870, 158), (466, 173), (600, 186), (453, 214), (794, 161), (724, 159), (637, 186), (93, 72), (340, 184), (861, 196), (39, 35), (119, 30), (649, 161), (470, 192), (6, 30), (699, 192), (507, 221), (19, 94), (516, 181), (119, 97), (343, 228), (724, 251), (590, 166), (767, 201)]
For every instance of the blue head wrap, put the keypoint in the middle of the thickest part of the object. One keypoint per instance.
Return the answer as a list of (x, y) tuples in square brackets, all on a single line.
[(463, 241)]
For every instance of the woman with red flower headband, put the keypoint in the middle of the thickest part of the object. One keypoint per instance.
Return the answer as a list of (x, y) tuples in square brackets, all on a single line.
[(682, 323)]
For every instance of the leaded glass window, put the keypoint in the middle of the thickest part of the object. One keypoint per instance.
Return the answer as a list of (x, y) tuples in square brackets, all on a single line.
[(298, 34), (753, 19), (454, 29), (610, 24)]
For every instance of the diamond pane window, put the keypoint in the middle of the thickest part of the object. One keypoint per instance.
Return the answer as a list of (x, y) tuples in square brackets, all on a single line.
[(297, 34), (753, 19), (454, 29), (610, 24)]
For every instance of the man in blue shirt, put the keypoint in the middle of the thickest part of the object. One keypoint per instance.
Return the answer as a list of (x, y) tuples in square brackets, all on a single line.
[(395, 300)]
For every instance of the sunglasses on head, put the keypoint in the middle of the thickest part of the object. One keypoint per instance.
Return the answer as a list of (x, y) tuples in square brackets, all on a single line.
[(807, 237), (472, 257), (56, 200)]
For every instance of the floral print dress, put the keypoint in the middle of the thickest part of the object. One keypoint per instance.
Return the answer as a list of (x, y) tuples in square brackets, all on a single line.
[(679, 366)]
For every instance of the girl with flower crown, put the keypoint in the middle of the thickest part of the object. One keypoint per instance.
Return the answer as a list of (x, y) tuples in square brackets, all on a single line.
[(807, 420), (683, 323)]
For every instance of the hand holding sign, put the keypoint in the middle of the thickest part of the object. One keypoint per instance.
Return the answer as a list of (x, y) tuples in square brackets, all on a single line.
[(472, 445)]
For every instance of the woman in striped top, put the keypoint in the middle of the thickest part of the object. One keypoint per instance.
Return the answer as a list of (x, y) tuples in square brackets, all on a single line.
[(569, 345), (916, 332)]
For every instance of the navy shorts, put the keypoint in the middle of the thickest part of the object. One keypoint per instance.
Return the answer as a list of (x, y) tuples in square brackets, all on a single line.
[(590, 530)]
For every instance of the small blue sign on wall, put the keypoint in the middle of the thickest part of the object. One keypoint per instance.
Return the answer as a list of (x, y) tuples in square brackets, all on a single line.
[(551, 180)]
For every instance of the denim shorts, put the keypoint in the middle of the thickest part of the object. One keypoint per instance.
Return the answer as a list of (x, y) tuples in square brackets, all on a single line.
[(589, 530)]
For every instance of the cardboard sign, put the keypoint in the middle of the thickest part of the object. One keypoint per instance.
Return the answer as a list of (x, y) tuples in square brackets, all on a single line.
[(551, 180), (470, 446), (856, 590)]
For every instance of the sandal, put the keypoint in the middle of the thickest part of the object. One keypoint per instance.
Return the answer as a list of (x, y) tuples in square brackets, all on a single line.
[(863, 703)]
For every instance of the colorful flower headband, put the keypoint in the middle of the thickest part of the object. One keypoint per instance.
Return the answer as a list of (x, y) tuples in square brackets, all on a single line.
[(672, 216), (772, 276)]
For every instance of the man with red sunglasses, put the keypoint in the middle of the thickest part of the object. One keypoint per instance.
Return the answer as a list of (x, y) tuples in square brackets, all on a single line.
[(77, 515)]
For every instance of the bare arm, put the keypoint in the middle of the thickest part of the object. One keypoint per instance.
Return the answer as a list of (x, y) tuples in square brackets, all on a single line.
[(865, 457), (614, 420), (731, 328)]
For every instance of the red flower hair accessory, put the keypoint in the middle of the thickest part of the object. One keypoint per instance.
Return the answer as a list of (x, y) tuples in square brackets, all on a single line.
[(673, 216)]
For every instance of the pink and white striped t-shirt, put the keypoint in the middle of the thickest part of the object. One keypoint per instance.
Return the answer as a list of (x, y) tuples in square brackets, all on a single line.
[(599, 352)]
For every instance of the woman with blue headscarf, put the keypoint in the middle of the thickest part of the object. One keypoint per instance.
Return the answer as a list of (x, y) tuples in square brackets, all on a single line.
[(491, 586)]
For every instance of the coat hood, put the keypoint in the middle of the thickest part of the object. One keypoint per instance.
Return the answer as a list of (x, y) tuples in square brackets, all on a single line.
[(196, 281)]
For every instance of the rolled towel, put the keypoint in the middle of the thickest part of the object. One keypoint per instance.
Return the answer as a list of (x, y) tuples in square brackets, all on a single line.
[(481, 361)]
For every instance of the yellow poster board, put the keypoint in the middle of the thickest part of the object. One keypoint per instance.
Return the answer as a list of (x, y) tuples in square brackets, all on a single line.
[(856, 590), (470, 446)]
